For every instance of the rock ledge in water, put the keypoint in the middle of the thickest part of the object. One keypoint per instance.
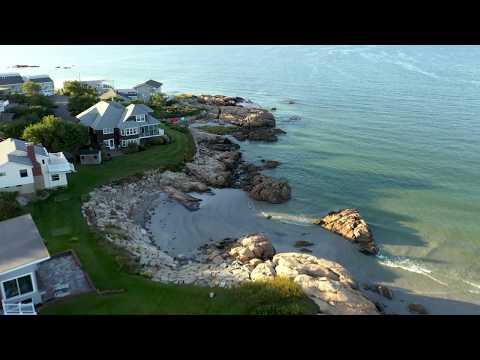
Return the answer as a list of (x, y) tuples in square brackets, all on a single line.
[(349, 224)]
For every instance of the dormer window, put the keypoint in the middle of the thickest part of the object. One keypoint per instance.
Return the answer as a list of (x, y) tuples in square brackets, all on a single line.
[(140, 118)]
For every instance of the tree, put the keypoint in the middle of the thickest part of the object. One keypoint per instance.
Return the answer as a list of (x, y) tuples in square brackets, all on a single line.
[(79, 103), (31, 88), (75, 88), (57, 134), (15, 128), (158, 100)]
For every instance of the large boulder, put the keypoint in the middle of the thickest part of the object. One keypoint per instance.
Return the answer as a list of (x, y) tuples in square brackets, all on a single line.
[(265, 188), (182, 182), (263, 271), (349, 224), (254, 246), (327, 283)]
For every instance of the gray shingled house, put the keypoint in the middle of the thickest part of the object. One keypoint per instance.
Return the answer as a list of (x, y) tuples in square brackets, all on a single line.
[(147, 89), (115, 126)]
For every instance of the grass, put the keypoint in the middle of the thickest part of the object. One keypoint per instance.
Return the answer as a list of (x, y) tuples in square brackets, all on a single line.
[(274, 297), (218, 130), (109, 267)]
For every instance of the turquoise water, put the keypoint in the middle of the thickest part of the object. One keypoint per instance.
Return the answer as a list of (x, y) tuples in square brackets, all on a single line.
[(392, 130)]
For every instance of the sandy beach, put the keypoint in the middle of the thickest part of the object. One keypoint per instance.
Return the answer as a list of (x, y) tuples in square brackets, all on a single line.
[(231, 213)]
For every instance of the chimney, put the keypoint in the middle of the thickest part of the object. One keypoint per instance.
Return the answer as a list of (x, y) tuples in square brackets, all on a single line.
[(37, 169)]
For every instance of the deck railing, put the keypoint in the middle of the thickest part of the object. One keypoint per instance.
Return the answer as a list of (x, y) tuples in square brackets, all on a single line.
[(18, 309)]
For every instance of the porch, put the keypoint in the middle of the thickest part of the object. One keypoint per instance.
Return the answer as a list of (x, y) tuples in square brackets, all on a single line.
[(150, 131)]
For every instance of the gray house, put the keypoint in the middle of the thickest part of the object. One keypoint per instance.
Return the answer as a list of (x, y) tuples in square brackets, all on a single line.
[(147, 89), (21, 251), (115, 126)]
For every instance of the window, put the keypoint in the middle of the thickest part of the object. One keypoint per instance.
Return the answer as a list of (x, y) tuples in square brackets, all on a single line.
[(55, 177), (110, 143), (19, 286), (140, 118), (43, 161), (129, 141), (130, 131), (23, 173), (107, 131)]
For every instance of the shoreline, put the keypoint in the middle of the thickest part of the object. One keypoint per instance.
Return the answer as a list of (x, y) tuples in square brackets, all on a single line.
[(326, 245)]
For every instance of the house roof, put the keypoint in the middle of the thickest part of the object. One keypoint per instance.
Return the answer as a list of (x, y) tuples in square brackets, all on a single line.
[(89, 152), (10, 78), (152, 83), (10, 145), (40, 78), (105, 115), (20, 244), (110, 93)]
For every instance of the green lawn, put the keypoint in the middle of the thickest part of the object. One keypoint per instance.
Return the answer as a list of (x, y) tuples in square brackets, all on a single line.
[(62, 226)]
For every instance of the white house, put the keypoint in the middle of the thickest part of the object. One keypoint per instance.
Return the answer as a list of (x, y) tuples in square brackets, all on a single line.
[(22, 249), (3, 105), (101, 86), (25, 167), (46, 84), (147, 89)]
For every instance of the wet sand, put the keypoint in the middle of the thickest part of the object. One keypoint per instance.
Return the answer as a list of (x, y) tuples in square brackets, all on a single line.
[(231, 213)]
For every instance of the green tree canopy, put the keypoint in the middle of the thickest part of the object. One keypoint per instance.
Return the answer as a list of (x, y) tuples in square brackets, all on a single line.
[(158, 100), (31, 88), (79, 103), (57, 134), (75, 88)]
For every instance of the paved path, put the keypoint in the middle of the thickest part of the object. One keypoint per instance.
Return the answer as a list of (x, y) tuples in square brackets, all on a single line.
[(62, 108)]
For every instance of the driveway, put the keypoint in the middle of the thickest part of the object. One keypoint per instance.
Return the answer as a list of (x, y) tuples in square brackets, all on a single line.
[(62, 108)]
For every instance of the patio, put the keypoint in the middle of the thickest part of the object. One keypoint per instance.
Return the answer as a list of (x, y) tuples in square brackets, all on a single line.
[(62, 275)]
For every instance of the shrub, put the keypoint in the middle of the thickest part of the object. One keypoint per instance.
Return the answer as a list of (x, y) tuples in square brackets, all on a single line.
[(9, 206), (278, 296), (158, 141), (132, 148)]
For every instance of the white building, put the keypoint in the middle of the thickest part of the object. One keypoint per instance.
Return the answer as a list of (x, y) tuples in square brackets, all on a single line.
[(25, 167), (21, 251), (12, 81), (101, 86), (3, 105), (46, 84)]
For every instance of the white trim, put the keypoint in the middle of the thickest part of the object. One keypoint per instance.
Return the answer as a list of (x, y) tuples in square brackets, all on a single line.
[(107, 131), (108, 143), (130, 131), (24, 266), (146, 137), (126, 142), (34, 286)]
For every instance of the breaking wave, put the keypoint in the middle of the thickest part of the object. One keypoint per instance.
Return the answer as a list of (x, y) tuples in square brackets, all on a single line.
[(288, 219), (407, 265)]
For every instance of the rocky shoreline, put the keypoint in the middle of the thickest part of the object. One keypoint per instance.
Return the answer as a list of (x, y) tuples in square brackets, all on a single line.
[(114, 209)]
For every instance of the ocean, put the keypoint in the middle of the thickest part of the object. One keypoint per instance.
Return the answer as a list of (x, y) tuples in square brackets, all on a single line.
[(391, 130)]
